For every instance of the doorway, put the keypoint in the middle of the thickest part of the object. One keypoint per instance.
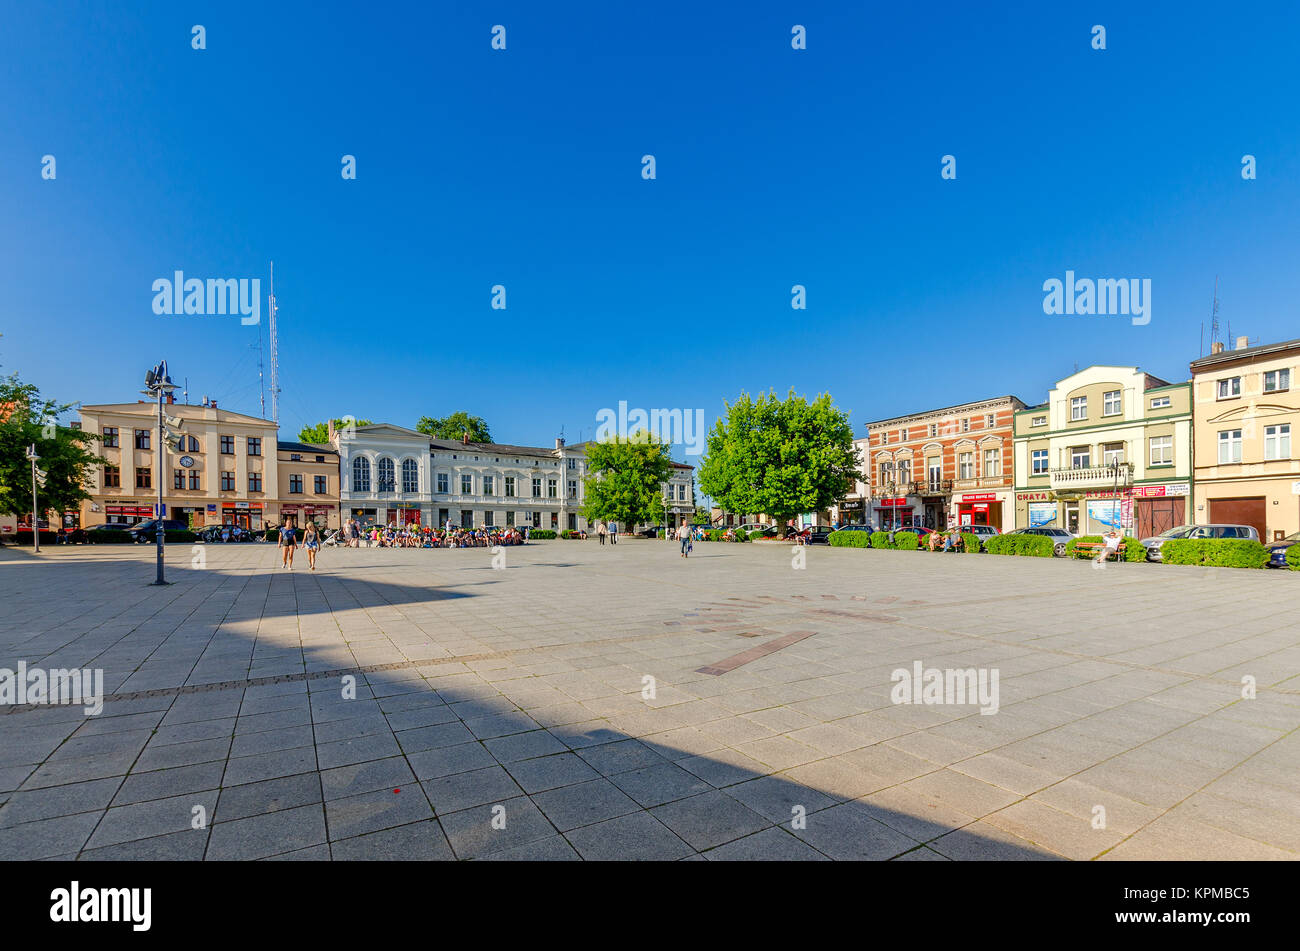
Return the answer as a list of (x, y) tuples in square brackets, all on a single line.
[(1072, 518)]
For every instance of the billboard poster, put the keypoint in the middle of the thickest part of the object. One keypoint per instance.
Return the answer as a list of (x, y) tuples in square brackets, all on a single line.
[(1112, 514), (1041, 513)]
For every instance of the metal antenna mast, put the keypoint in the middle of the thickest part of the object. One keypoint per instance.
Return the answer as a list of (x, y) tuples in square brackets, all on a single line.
[(275, 356), (1214, 314)]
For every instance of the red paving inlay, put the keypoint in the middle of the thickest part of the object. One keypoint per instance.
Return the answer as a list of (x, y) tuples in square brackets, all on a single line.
[(754, 653)]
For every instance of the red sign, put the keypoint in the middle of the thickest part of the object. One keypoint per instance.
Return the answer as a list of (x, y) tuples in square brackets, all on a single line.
[(888, 503), (980, 497)]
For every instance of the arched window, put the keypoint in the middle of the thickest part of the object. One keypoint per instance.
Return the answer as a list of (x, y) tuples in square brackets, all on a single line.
[(410, 475), (387, 478), (360, 474)]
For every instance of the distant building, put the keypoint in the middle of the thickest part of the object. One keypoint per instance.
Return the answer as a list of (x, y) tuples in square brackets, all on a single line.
[(309, 483)]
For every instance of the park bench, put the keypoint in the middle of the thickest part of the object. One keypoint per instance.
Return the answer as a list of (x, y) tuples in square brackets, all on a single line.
[(1092, 549)]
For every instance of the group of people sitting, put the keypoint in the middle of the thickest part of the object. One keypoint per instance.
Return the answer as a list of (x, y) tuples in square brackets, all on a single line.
[(949, 540), (426, 536)]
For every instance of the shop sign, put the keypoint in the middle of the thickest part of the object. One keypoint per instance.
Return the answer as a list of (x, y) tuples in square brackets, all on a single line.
[(1033, 496), (980, 497), (889, 503)]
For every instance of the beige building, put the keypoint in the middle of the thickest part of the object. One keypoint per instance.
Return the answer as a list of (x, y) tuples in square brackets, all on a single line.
[(1111, 443), (1246, 410), (309, 483), (225, 473)]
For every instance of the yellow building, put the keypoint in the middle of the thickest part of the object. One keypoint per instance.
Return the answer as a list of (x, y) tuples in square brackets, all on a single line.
[(225, 473), (309, 484), (1111, 443), (1246, 409)]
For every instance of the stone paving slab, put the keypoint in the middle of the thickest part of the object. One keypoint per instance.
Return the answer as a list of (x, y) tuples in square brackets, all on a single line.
[(624, 703)]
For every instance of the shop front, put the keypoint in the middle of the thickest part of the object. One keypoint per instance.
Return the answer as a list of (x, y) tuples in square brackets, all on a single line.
[(892, 513), (1140, 511), (246, 515), (980, 508), (405, 515), (321, 515), (127, 514)]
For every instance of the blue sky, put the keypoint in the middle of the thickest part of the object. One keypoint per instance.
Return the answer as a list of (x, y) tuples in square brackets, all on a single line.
[(522, 167)]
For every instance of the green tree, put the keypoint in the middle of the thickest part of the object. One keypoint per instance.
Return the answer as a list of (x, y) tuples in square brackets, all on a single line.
[(455, 426), (625, 479), (320, 432), (779, 457), (66, 454)]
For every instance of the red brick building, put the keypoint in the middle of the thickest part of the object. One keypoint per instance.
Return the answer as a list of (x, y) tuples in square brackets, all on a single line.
[(942, 467)]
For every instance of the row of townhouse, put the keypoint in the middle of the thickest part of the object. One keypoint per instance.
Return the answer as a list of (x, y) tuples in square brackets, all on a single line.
[(232, 470), (1110, 444)]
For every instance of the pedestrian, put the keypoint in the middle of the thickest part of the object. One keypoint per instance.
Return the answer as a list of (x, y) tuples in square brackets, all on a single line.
[(602, 531), (288, 542), (311, 542), (613, 533), (684, 536)]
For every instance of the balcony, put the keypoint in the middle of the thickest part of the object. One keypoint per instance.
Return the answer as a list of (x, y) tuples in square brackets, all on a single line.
[(1091, 477), (932, 487)]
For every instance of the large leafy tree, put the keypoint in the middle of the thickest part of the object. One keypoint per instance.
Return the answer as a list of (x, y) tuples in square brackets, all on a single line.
[(455, 426), (625, 479), (780, 457), (320, 432), (66, 454)]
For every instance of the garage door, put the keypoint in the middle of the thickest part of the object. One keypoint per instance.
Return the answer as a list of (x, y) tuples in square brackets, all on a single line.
[(1153, 516), (1241, 512)]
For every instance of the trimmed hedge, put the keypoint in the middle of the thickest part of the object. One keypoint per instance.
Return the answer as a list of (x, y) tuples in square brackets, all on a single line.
[(1215, 552), (970, 543), (110, 536), (906, 541), (1133, 549), (542, 533), (849, 540), (1293, 557), (1032, 546), (880, 540), (24, 537)]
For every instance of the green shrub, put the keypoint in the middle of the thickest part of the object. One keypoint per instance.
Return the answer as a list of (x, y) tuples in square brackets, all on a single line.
[(1215, 552), (970, 543), (24, 537), (742, 535), (1001, 545), (906, 541), (112, 536), (1293, 557), (542, 533), (880, 540), (849, 539), (1030, 546), (570, 533)]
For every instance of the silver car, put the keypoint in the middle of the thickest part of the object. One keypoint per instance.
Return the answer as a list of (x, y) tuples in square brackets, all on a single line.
[(1156, 542)]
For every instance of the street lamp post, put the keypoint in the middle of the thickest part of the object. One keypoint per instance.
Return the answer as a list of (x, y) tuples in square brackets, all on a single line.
[(36, 527), (157, 383)]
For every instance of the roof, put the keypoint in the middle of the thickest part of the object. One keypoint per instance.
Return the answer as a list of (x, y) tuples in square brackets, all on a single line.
[(304, 447), (945, 409), (499, 448), (183, 410), (1227, 356)]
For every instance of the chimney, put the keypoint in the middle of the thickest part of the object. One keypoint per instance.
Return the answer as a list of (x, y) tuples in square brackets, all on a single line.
[(212, 403), (464, 439), (1243, 343), (559, 442), (171, 398), (331, 430), (1216, 347)]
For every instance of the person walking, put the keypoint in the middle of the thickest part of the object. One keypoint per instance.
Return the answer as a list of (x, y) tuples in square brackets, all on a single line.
[(684, 536), (288, 542), (613, 533), (602, 531), (311, 542)]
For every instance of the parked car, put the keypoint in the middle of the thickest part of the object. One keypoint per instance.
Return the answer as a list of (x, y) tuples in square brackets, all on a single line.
[(1277, 550), (72, 536), (982, 532), (147, 531), (97, 532), (817, 535), (1060, 537), (651, 531), (1154, 544), (757, 528)]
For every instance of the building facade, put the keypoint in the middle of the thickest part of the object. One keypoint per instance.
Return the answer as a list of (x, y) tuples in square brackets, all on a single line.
[(1246, 409), (309, 484), (1111, 446), (384, 474), (225, 474), (939, 468)]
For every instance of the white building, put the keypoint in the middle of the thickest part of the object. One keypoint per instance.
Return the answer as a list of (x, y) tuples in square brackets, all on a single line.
[(384, 474)]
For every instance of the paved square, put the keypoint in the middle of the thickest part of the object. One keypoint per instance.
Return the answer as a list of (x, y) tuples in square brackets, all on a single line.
[(412, 704)]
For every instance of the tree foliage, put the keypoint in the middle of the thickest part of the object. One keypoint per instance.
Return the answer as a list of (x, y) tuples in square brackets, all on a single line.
[(625, 479), (319, 433), (67, 455), (780, 457), (455, 426)]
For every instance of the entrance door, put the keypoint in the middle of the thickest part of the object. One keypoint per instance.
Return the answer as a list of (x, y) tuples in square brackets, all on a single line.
[(466, 518), (1072, 518), (1153, 516), (1241, 512)]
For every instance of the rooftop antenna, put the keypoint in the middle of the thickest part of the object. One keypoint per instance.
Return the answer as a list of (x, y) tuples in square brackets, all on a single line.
[(1214, 314), (185, 393), (261, 388), (275, 356)]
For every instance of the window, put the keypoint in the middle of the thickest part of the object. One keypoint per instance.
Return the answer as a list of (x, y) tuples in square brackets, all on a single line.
[(555, 520), (1111, 404), (442, 483), (295, 485), (410, 475), (902, 434), (965, 424), (489, 485), (573, 463), (1112, 452), (178, 478), (1078, 408), (142, 439), (934, 469), (537, 489), (1162, 450), (904, 470), (387, 477), (573, 488), (1038, 421), (934, 430), (194, 479), (1277, 441), (966, 465), (255, 482), (320, 458), (360, 474), (537, 519), (681, 493), (1039, 460), (322, 485), (550, 489), (510, 518), (112, 477), (1230, 387), (466, 485), (228, 445), (295, 457), (110, 437), (227, 482), (510, 486), (1080, 457), (1275, 381), (143, 478), (573, 522), (254, 445), (1160, 402), (992, 462), (1229, 446), (988, 421), (487, 519)]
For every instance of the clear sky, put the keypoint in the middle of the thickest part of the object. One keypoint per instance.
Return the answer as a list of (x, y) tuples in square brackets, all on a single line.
[(522, 168)]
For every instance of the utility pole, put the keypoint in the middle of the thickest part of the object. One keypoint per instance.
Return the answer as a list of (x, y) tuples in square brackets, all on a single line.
[(37, 476)]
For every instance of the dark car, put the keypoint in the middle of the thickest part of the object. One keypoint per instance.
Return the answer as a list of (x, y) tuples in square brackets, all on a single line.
[(818, 535), (147, 531), (651, 532), (1277, 550), (72, 536)]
